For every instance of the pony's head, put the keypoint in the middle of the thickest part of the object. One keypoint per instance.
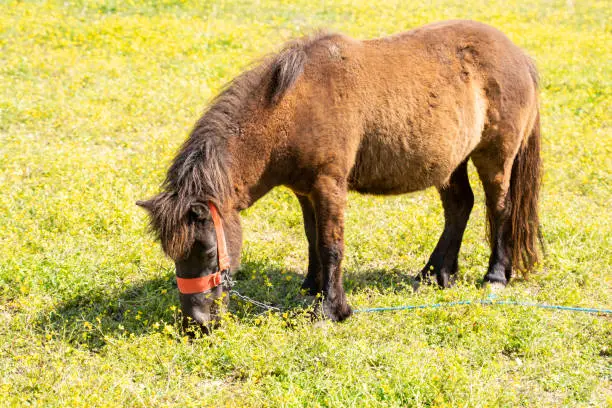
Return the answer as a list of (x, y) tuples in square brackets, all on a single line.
[(204, 245)]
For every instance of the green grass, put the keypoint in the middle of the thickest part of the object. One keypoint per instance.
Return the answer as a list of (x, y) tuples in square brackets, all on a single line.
[(95, 98)]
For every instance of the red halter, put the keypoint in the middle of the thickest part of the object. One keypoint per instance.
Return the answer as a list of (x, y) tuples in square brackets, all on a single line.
[(189, 286)]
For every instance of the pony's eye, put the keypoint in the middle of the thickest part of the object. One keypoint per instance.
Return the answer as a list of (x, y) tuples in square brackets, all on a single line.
[(200, 212), (210, 254), (199, 219)]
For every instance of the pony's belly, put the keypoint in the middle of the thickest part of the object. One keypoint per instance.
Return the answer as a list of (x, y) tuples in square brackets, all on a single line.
[(381, 170), (385, 189), (389, 183)]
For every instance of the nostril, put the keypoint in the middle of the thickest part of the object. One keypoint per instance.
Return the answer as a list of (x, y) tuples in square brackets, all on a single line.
[(200, 311), (197, 321)]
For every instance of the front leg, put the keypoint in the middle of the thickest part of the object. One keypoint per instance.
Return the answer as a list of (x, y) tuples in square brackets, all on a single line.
[(329, 200), (313, 284)]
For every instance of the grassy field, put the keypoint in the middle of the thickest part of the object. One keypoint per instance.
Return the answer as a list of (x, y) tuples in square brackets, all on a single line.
[(95, 98)]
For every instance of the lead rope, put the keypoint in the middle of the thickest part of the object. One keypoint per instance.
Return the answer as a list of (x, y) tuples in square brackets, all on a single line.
[(255, 302), (229, 283), (490, 301), (485, 302)]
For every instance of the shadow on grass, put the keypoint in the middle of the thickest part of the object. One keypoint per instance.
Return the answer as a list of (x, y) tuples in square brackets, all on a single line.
[(91, 318), (383, 280)]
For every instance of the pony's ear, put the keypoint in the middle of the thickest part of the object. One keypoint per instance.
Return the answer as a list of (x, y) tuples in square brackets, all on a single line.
[(200, 210), (146, 204)]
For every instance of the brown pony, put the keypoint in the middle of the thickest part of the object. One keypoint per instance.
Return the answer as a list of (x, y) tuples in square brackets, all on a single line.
[(329, 114)]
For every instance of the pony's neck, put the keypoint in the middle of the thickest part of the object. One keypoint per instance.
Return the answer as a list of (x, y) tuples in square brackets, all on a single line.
[(252, 168)]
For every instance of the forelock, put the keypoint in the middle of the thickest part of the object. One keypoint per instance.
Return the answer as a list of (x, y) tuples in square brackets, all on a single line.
[(169, 221)]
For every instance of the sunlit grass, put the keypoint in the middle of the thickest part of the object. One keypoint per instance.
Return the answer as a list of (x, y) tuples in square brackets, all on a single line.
[(95, 98)]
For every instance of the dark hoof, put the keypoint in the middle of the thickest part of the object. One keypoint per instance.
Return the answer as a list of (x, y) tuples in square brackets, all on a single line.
[(426, 273), (443, 278), (495, 276), (446, 280), (335, 312)]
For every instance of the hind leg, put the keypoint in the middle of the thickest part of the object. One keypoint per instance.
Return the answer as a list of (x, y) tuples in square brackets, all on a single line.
[(495, 176), (313, 283), (457, 200)]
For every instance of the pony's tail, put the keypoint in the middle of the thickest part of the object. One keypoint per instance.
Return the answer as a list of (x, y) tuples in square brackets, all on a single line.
[(525, 234)]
